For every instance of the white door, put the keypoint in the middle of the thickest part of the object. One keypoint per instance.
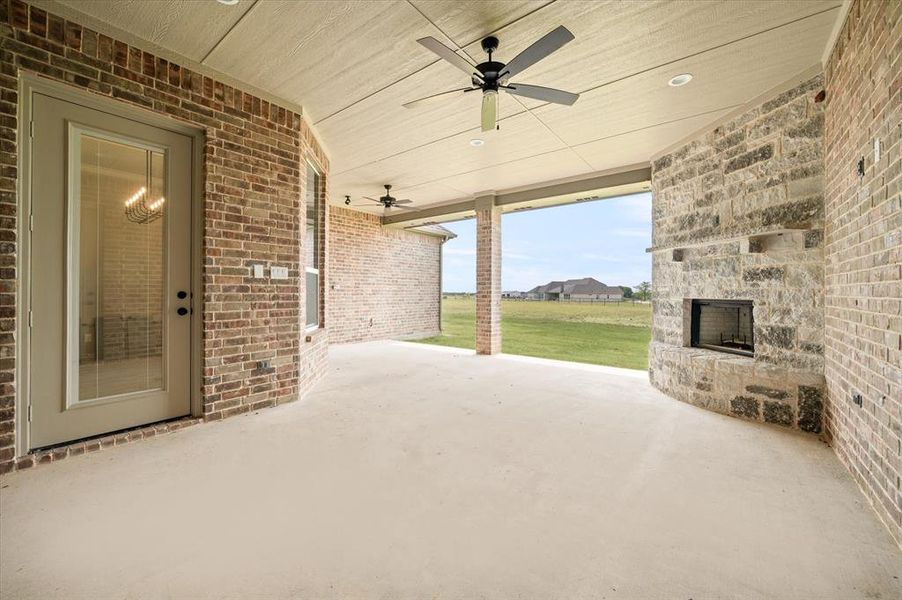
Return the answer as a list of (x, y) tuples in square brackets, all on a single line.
[(110, 273)]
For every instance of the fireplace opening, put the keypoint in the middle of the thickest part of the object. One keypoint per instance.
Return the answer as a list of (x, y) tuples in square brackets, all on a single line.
[(723, 325)]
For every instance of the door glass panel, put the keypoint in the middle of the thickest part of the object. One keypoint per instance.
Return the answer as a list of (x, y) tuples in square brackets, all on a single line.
[(121, 273)]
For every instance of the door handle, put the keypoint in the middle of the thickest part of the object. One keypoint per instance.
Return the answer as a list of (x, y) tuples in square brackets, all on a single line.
[(182, 311), (181, 294)]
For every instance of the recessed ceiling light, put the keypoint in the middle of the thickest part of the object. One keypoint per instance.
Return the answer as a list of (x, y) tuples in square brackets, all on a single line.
[(228, 2), (477, 142), (679, 80)]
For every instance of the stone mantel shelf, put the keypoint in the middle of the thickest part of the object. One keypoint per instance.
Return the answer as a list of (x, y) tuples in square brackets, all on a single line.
[(750, 243)]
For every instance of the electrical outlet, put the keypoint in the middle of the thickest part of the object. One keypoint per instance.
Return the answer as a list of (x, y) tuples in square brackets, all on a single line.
[(258, 272)]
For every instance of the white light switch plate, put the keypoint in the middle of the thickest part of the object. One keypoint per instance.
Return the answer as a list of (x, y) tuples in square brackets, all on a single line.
[(877, 150), (278, 272), (258, 271)]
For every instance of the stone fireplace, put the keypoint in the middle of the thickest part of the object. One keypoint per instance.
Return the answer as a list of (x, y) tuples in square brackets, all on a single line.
[(723, 326), (738, 264)]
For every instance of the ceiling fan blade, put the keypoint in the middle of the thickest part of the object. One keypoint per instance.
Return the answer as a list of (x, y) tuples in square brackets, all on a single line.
[(489, 111), (403, 201), (541, 93), (539, 50), (399, 207), (428, 99), (449, 55)]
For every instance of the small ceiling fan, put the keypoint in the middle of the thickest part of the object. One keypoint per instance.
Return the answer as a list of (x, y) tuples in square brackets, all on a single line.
[(387, 201), (492, 76)]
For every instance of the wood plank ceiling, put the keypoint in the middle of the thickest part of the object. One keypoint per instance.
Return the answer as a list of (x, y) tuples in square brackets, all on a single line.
[(352, 64)]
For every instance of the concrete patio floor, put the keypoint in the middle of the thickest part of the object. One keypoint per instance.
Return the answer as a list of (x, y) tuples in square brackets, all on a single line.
[(421, 472)]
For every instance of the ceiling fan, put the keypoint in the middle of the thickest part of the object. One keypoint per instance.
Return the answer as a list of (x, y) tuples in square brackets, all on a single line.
[(387, 201), (492, 76)]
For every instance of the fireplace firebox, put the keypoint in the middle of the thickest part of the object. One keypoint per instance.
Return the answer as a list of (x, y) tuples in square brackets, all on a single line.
[(723, 325)]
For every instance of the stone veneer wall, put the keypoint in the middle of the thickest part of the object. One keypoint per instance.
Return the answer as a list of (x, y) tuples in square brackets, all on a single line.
[(718, 202), (863, 248), (383, 283), (253, 202)]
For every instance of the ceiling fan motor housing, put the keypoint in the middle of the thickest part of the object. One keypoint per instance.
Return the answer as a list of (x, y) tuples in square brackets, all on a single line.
[(493, 76), (491, 70), (387, 199), (490, 44)]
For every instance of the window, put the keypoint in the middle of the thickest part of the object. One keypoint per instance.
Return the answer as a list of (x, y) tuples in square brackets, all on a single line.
[(312, 242)]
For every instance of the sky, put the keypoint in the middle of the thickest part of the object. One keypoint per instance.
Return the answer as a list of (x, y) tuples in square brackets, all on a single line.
[(605, 239)]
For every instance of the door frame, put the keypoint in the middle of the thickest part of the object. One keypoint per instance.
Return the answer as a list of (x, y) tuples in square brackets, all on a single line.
[(29, 85)]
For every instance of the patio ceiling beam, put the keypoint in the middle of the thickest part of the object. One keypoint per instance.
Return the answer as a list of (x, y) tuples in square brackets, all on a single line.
[(630, 180)]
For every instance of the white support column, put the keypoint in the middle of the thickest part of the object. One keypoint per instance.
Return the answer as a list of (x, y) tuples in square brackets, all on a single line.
[(488, 276)]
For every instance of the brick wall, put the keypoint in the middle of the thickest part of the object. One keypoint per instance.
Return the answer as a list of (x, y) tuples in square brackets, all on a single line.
[(383, 283), (723, 205), (864, 253), (253, 202)]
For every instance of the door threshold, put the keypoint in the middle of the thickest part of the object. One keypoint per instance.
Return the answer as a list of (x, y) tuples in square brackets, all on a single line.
[(54, 452)]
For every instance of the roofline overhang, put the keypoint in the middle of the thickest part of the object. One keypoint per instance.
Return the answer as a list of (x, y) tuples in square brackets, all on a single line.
[(436, 231)]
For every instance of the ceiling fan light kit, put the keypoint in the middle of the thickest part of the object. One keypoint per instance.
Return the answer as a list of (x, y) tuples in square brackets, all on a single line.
[(492, 76)]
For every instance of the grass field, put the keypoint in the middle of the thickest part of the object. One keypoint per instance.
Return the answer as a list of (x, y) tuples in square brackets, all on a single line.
[(615, 334)]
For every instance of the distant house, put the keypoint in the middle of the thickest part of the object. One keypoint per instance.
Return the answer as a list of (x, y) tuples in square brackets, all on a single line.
[(585, 290), (514, 295)]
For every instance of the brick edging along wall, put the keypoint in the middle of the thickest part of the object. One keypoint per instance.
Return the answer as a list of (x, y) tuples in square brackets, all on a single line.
[(253, 200)]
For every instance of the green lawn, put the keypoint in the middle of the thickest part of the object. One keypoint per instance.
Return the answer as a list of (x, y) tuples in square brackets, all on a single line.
[(615, 334)]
